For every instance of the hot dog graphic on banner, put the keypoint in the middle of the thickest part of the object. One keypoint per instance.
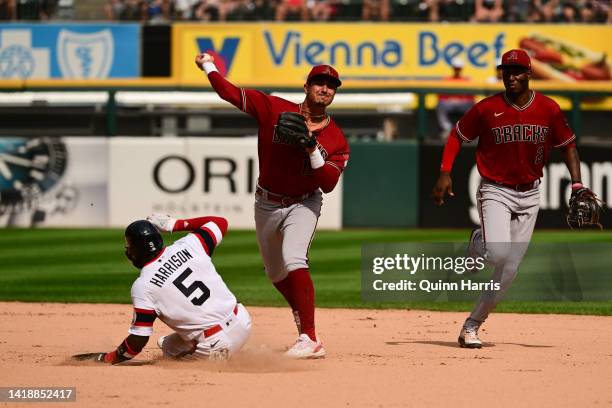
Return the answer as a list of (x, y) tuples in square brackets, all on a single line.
[(560, 59)]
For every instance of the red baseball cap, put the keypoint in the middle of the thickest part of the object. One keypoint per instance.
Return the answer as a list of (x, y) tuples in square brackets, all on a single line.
[(517, 57), (325, 71)]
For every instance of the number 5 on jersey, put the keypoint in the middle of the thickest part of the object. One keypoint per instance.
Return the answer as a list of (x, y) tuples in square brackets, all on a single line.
[(188, 290)]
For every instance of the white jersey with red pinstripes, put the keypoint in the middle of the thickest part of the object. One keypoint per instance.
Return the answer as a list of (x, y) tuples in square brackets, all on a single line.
[(182, 287)]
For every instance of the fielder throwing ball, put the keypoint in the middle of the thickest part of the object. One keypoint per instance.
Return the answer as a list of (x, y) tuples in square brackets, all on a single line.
[(302, 153), (516, 130), (179, 285)]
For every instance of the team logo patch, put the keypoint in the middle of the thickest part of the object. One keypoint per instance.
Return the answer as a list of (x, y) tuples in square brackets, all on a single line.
[(85, 55)]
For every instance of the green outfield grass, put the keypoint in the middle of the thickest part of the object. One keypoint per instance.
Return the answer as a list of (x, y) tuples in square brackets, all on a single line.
[(88, 265)]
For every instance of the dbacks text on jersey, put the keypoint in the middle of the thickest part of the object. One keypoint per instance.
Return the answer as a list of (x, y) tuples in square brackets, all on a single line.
[(520, 133)]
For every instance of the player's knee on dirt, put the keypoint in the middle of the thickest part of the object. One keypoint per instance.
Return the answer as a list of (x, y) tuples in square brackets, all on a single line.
[(175, 347)]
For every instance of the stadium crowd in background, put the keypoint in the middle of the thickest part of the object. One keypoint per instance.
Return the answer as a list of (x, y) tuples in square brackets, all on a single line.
[(28, 9), (485, 11)]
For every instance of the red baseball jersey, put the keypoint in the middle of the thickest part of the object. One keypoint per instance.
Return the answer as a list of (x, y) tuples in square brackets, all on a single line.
[(283, 168), (514, 142)]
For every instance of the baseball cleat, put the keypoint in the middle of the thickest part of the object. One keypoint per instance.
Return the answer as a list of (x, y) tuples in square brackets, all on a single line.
[(468, 337), (305, 348), (160, 342)]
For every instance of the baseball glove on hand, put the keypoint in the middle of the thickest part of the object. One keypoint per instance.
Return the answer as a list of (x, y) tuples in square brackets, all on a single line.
[(584, 209), (291, 126)]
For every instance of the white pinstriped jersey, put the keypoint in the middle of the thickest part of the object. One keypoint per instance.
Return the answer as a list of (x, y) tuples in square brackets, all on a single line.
[(183, 287)]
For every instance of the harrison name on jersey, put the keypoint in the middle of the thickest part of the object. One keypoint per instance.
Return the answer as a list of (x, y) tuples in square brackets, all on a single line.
[(170, 266)]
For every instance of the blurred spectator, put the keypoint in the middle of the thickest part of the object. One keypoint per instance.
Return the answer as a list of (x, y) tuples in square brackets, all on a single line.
[(262, 10), (549, 9), (496, 78), (443, 10), (185, 9), (28, 9), (595, 11), (7, 10), (375, 10), (292, 10), (569, 13), (156, 11), (587, 12), (518, 10), (488, 11), (206, 10), (320, 10), (125, 10), (236, 10), (33, 9), (453, 104), (535, 14)]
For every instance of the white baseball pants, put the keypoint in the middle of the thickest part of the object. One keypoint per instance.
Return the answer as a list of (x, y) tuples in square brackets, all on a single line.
[(235, 331)]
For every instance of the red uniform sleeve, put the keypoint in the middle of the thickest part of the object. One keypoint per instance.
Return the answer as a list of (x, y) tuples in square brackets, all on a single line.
[(562, 135), (209, 230), (469, 126), (192, 224), (453, 144), (127, 350), (328, 175), (253, 102)]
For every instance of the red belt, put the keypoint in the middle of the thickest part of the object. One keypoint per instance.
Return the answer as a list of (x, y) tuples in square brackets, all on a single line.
[(516, 187), (283, 200), (216, 329)]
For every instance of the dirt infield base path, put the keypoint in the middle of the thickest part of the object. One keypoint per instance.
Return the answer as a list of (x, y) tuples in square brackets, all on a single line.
[(376, 358)]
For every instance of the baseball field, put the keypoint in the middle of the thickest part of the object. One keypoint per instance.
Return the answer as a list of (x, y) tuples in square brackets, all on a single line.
[(77, 285)]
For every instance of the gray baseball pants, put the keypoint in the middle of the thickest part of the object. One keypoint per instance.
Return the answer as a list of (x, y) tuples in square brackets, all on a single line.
[(284, 234), (507, 220)]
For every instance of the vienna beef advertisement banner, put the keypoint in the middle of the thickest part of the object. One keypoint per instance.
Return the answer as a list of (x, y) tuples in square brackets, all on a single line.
[(280, 55)]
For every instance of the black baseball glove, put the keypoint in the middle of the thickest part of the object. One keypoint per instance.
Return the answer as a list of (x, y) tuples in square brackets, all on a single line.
[(584, 209), (292, 129)]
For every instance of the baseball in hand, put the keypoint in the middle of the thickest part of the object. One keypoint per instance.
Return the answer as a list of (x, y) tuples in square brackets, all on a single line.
[(203, 58)]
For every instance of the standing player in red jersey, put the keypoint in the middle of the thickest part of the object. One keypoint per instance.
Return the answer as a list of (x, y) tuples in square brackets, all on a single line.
[(516, 130), (288, 197)]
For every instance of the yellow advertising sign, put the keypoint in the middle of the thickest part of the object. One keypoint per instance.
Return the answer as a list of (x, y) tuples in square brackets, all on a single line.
[(385, 55)]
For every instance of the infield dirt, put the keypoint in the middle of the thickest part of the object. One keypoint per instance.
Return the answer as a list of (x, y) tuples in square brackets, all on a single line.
[(376, 358)]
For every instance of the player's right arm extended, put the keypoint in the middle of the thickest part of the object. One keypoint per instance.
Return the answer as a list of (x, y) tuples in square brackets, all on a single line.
[(209, 230), (226, 90), (192, 224), (167, 223), (444, 185), (253, 102)]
